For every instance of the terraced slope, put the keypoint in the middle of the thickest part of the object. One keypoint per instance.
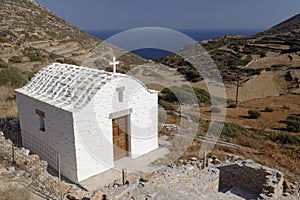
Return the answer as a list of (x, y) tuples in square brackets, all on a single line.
[(31, 37)]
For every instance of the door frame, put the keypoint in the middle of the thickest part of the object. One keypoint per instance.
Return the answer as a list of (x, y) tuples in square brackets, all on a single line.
[(128, 136)]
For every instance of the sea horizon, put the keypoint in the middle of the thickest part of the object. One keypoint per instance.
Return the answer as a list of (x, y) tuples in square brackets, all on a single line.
[(196, 34)]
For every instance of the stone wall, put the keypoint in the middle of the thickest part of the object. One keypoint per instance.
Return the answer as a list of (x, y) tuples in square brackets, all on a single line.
[(33, 172), (259, 181)]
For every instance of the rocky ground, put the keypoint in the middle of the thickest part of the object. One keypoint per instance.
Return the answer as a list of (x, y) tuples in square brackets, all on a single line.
[(190, 181)]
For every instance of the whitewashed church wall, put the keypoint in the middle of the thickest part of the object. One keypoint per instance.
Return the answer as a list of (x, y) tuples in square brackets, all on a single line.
[(58, 133), (143, 119), (93, 126), (93, 149)]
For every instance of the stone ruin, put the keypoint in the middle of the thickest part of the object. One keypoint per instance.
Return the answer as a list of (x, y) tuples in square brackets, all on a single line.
[(232, 180), (33, 170), (250, 180)]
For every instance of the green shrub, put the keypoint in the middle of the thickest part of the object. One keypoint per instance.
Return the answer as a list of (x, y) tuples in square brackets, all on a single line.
[(35, 57), (253, 114), (268, 109), (286, 138), (293, 123), (184, 94), (231, 105), (292, 153), (167, 105), (12, 77), (233, 130), (15, 59), (262, 53), (230, 130), (230, 101), (285, 107), (3, 40)]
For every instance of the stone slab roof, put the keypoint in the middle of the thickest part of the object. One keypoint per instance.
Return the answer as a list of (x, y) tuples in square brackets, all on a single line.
[(67, 86)]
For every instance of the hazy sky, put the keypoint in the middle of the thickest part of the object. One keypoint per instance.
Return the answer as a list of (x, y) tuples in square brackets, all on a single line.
[(175, 14)]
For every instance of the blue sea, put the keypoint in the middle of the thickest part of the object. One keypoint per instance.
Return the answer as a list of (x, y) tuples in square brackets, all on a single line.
[(197, 35)]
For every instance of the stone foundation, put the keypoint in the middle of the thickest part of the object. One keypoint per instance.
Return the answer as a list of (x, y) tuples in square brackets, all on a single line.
[(250, 180)]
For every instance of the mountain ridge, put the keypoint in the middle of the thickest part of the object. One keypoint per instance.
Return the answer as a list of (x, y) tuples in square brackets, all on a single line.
[(288, 25), (32, 37)]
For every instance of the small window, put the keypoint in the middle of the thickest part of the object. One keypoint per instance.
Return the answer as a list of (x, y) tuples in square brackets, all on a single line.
[(120, 91), (41, 115)]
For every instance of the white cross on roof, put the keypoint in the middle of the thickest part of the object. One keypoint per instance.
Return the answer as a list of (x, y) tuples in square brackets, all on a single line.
[(114, 63)]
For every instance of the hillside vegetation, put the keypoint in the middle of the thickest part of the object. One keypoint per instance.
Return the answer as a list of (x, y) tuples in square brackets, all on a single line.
[(32, 37), (279, 46)]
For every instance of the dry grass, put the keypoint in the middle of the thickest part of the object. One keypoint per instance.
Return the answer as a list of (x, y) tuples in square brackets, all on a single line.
[(261, 151), (14, 192), (268, 120), (8, 106), (255, 145)]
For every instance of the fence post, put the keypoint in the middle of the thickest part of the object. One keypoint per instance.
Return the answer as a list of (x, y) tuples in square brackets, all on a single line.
[(13, 153), (59, 176), (204, 160), (123, 176)]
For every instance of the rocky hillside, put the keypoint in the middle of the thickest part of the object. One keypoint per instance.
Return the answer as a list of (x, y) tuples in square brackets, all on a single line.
[(290, 25), (277, 47), (32, 37), (31, 34)]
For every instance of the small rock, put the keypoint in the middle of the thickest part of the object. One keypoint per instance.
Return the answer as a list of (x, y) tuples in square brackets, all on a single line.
[(172, 165), (216, 162), (20, 173), (10, 169), (71, 197), (147, 177), (118, 182), (193, 159), (98, 195), (110, 185), (132, 180)]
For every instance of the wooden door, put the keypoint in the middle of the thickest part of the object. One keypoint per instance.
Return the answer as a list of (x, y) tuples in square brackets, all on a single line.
[(120, 137)]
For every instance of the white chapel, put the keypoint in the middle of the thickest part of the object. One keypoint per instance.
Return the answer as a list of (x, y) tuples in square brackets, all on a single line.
[(91, 117)]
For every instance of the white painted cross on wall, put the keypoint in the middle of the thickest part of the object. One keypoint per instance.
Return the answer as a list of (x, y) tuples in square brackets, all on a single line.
[(114, 63)]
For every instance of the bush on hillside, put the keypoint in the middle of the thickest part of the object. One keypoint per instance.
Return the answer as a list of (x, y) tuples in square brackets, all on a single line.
[(167, 105), (15, 59), (268, 109), (231, 105), (185, 94), (293, 123), (286, 138), (12, 77), (230, 130), (253, 114)]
